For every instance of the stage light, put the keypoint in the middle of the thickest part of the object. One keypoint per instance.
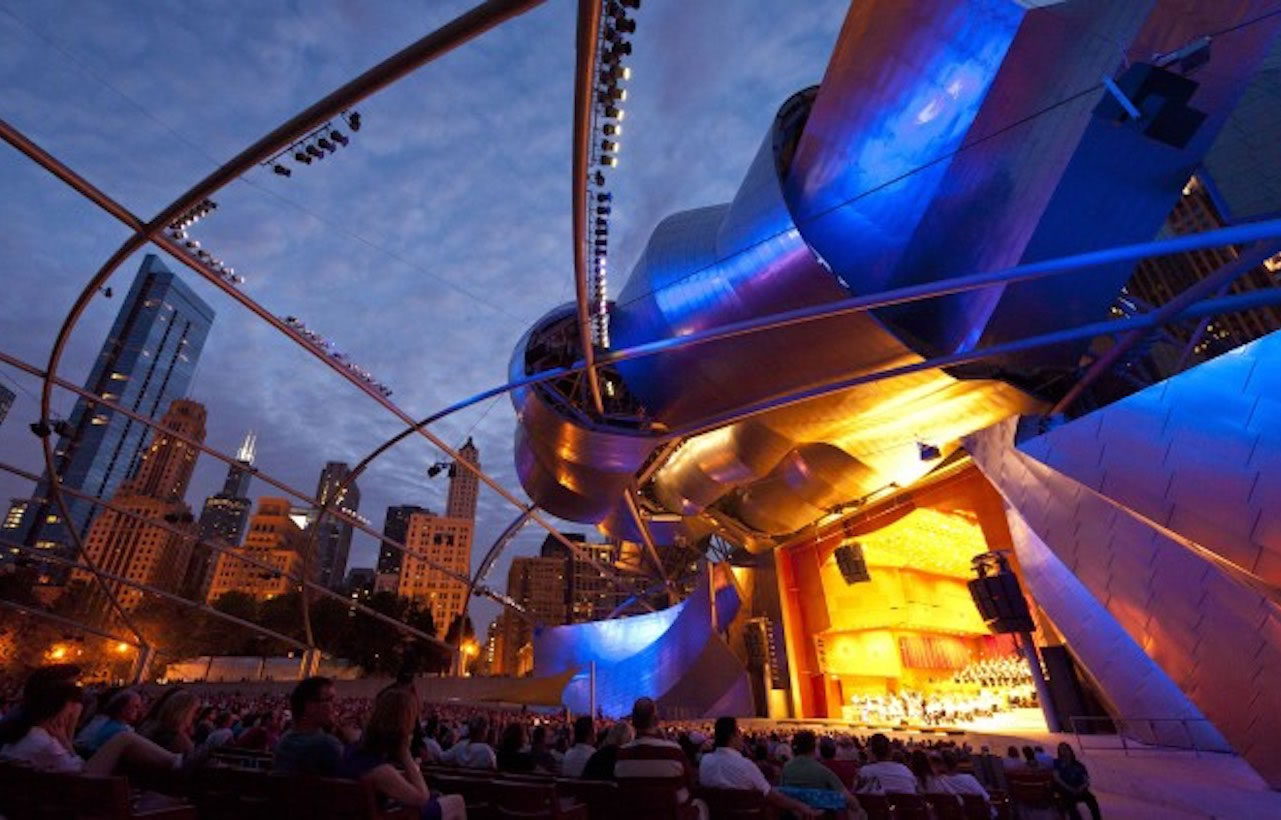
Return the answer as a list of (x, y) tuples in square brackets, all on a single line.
[(928, 452), (302, 157), (631, 4), (609, 145), (353, 121), (612, 129), (609, 161), (601, 222), (614, 113), (326, 145), (598, 178), (315, 152), (604, 196), (625, 25), (282, 170), (603, 210)]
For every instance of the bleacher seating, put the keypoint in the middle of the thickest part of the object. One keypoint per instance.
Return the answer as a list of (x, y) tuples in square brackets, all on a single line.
[(908, 807), (736, 804), (1032, 790)]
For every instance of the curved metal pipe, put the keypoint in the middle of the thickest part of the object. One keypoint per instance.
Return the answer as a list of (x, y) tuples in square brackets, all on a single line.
[(491, 556), (584, 81), (168, 596)]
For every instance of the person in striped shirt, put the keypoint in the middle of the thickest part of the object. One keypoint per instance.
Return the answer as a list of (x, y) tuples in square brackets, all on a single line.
[(652, 757)]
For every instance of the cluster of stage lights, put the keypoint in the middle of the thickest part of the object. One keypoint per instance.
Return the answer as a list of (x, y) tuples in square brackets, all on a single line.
[(610, 95), (317, 145), (327, 347), (178, 232)]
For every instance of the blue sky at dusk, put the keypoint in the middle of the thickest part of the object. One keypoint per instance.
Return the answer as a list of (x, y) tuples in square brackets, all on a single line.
[(424, 249)]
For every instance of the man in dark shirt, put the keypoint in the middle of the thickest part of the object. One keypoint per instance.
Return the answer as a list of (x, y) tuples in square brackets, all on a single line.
[(308, 747), (1072, 784)]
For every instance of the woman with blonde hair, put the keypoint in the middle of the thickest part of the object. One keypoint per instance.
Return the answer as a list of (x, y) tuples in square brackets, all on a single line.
[(600, 766), (171, 722), (383, 759)]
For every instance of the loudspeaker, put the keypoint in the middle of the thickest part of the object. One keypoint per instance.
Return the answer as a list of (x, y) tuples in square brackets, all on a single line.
[(1001, 603), (763, 641), (849, 559)]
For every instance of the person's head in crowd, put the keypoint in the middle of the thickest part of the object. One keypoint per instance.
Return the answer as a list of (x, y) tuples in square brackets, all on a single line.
[(538, 737), (725, 733), (645, 717), (125, 706), (478, 729), (1066, 753), (1029, 755), (176, 715), (804, 743), (879, 745), (1013, 753), (827, 748), (950, 761), (391, 723), (761, 751), (54, 706), (513, 739), (620, 734), (584, 729), (312, 704), (919, 763)]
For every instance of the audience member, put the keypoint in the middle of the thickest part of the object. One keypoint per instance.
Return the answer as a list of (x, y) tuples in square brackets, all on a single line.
[(884, 775), (512, 755), (927, 782), (651, 756), (309, 747), (806, 779), (956, 781), (726, 768), (118, 714), (384, 760), (1072, 784), (539, 752), (582, 750), (473, 751), (844, 768), (600, 766), (171, 721)]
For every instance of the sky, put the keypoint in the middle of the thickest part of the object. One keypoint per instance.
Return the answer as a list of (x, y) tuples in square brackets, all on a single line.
[(423, 250)]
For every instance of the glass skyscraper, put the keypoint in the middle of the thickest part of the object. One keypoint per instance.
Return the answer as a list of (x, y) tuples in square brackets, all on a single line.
[(147, 362)]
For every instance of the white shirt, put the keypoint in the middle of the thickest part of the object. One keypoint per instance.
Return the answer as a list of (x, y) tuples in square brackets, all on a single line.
[(433, 750), (962, 783), (884, 777), (576, 759), (42, 750), (471, 755), (725, 768)]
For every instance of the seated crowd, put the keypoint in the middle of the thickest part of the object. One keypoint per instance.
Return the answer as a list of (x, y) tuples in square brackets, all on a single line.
[(387, 741)]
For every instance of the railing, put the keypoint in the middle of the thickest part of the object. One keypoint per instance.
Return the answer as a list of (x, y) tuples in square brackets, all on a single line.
[(1145, 734)]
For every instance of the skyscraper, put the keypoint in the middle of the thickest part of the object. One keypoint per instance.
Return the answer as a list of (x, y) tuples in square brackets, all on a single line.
[(395, 527), (146, 363), (589, 595), (6, 401), (333, 535), (126, 546), (463, 485), (537, 583), (273, 539), (222, 519)]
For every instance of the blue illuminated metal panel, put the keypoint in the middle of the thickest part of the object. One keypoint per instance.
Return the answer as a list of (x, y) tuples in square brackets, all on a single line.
[(673, 656)]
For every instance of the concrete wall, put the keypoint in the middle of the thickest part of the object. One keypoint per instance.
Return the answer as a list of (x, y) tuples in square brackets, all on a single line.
[(1155, 523)]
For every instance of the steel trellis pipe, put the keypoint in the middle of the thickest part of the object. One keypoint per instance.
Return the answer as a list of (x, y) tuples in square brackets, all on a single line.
[(225, 550), (168, 596), (68, 622), (589, 13)]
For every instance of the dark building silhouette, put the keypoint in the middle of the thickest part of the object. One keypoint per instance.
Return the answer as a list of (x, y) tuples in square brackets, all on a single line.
[(223, 519), (333, 535)]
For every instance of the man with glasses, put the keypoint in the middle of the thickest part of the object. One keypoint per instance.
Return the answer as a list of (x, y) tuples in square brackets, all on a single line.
[(309, 747)]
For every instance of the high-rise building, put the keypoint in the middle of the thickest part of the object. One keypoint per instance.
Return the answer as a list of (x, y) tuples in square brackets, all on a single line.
[(537, 584), (395, 528), (332, 534), (146, 363), (445, 540), (589, 595), (6, 401), (126, 546), (273, 539), (1159, 279), (222, 519), (447, 543), (464, 485)]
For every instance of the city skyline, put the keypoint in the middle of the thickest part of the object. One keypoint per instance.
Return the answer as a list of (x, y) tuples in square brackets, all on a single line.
[(442, 297)]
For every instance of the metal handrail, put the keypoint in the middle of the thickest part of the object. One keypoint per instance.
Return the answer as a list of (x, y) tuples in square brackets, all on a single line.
[(1125, 730)]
